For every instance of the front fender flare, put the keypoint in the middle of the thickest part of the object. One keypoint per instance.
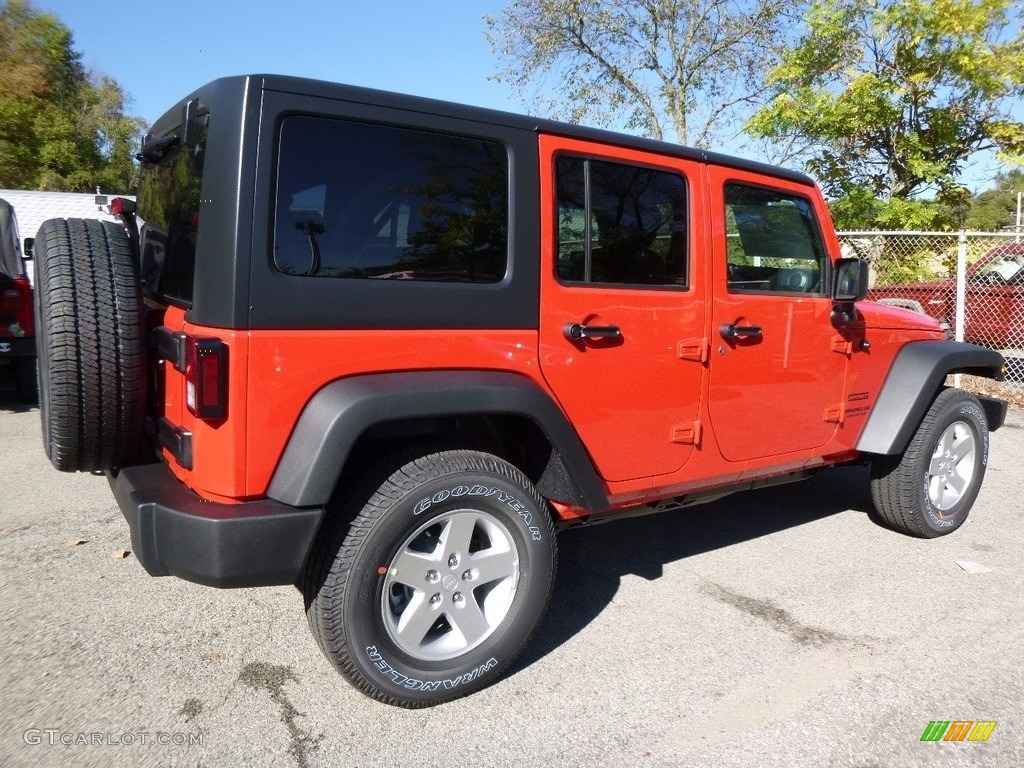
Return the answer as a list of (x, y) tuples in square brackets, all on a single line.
[(340, 412), (913, 381)]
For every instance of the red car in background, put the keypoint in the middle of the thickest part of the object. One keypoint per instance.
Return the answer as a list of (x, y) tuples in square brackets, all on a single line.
[(994, 299), (17, 325)]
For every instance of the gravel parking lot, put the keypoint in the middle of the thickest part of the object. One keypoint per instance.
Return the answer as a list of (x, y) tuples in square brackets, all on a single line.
[(775, 628)]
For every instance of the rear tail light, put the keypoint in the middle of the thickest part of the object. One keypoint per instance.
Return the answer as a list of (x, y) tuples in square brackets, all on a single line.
[(120, 205), (16, 303), (206, 377)]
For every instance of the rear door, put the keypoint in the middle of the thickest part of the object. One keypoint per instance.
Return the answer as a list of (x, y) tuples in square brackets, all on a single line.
[(623, 302), (778, 364)]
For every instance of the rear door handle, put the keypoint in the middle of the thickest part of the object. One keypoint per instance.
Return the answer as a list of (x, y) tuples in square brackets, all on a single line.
[(730, 331), (577, 331)]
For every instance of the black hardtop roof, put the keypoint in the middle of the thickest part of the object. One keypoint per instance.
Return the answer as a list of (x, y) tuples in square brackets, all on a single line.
[(10, 245), (370, 96)]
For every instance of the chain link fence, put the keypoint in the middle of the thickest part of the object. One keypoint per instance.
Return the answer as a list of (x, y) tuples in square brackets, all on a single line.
[(972, 282)]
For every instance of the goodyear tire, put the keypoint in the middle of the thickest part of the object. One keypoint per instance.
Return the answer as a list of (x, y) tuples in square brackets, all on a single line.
[(433, 578), (90, 344), (929, 489)]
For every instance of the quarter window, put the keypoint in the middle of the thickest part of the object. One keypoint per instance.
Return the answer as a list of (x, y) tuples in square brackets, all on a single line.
[(773, 242), (356, 200), (620, 224)]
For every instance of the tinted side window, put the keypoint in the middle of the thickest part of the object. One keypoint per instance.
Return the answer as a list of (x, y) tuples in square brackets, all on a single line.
[(773, 242), (356, 200), (620, 224)]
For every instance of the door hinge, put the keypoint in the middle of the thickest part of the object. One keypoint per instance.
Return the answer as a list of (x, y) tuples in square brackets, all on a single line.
[(694, 349), (687, 434), (842, 345), (835, 414)]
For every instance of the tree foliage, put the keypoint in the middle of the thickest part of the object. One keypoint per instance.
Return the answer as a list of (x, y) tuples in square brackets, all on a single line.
[(859, 209), (61, 127), (996, 208), (891, 97), (678, 69)]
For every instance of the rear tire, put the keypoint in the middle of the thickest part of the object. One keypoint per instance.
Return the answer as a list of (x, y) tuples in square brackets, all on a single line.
[(432, 577), (90, 343), (928, 490)]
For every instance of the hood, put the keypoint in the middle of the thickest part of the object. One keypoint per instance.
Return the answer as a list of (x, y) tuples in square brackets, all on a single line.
[(884, 316)]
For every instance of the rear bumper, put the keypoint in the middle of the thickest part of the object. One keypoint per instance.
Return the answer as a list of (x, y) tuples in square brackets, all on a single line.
[(177, 533), (17, 346)]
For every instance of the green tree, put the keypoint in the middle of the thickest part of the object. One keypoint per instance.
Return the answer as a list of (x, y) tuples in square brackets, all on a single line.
[(115, 133), (679, 69), (61, 127), (996, 208), (890, 98), (858, 209)]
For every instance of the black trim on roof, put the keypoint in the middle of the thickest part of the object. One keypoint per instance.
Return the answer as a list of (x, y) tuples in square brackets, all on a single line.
[(371, 96)]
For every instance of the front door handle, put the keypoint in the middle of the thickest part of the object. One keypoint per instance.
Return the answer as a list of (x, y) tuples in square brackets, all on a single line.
[(730, 331), (578, 331)]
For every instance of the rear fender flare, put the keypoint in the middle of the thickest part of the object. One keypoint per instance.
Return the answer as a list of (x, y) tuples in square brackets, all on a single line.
[(338, 414)]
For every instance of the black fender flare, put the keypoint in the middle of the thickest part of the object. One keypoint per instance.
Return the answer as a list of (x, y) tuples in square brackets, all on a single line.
[(339, 413), (914, 380)]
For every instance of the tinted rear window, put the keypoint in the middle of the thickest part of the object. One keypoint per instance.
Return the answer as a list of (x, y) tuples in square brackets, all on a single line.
[(356, 200), (168, 204)]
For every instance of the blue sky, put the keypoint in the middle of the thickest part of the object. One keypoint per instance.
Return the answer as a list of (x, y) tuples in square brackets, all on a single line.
[(160, 52)]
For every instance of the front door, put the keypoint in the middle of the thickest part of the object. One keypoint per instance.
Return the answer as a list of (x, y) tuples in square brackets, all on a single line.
[(777, 365), (622, 304)]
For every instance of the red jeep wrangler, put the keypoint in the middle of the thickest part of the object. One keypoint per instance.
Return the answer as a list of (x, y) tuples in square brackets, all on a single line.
[(383, 348)]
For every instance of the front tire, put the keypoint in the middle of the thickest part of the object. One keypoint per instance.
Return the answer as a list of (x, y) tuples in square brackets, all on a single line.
[(433, 577), (929, 489)]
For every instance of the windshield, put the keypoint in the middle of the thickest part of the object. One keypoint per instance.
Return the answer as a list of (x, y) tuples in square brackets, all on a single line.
[(1000, 269)]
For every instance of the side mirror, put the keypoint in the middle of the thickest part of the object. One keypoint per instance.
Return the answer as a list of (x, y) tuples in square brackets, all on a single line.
[(26, 252), (849, 281)]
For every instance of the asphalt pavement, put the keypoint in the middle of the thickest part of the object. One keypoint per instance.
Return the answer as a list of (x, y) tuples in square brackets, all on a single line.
[(774, 628)]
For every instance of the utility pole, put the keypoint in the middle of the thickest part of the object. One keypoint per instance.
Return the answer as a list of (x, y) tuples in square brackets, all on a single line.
[(1017, 228)]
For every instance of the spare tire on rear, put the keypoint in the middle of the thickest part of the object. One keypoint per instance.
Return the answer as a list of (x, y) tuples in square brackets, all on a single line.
[(90, 340)]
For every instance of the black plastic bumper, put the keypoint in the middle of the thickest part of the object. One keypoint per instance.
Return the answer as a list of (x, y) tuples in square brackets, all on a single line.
[(177, 533), (19, 346)]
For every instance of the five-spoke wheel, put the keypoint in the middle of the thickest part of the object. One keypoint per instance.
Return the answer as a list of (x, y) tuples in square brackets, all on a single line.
[(451, 585)]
